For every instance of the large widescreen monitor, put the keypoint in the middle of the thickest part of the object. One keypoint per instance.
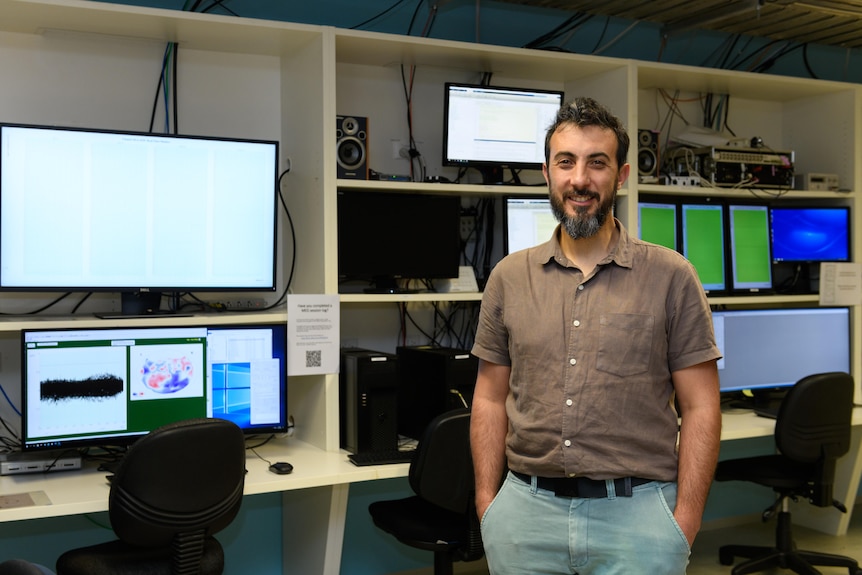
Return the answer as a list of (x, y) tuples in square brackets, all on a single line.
[(99, 210), (109, 386), (773, 348), (491, 128)]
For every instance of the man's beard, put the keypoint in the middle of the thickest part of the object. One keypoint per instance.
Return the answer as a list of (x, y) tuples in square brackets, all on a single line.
[(582, 224)]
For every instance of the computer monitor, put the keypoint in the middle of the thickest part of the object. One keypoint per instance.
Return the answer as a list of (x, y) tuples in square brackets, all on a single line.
[(491, 128), (810, 234), (109, 386), (527, 222), (769, 349), (657, 223), (384, 238), (102, 210), (704, 244), (750, 259)]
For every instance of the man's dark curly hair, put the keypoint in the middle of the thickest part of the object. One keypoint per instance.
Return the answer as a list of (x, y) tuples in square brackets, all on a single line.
[(584, 112)]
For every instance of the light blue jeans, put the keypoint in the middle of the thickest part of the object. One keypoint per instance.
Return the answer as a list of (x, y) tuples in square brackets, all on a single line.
[(531, 531)]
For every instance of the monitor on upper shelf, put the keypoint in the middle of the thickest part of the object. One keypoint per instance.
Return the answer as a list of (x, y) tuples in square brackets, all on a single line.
[(396, 242), (527, 222), (703, 242), (109, 386), (750, 260), (810, 234), (492, 128), (136, 213), (769, 349), (657, 222)]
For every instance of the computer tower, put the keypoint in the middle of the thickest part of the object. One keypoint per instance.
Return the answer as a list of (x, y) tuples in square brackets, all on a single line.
[(432, 380), (368, 400)]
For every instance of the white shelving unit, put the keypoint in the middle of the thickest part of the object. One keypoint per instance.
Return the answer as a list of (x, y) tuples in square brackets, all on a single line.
[(77, 62)]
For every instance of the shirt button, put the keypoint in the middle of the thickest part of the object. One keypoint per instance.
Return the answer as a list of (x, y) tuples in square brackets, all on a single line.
[(573, 474), (576, 323), (567, 443), (581, 287), (569, 402), (573, 361)]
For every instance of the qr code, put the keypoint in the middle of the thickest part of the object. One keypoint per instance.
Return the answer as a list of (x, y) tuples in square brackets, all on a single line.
[(312, 358)]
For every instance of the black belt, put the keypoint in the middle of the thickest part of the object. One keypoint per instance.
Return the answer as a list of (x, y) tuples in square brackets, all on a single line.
[(583, 486)]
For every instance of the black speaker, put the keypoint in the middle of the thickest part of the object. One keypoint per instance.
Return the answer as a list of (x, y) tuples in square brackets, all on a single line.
[(352, 147), (431, 381), (648, 157), (368, 399)]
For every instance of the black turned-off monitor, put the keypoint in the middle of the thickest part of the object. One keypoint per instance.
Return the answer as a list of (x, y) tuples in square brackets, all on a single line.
[(136, 213), (768, 350), (493, 128), (387, 239), (109, 386)]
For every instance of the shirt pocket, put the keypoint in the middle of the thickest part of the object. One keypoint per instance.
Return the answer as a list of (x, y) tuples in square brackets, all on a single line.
[(625, 343)]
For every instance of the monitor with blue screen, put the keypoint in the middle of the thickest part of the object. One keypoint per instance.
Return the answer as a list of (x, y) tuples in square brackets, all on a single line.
[(108, 386), (810, 234)]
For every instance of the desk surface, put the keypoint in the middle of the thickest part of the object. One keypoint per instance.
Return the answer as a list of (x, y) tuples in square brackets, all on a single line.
[(86, 490)]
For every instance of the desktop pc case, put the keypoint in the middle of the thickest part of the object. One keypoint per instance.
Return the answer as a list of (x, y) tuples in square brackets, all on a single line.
[(432, 380), (368, 383)]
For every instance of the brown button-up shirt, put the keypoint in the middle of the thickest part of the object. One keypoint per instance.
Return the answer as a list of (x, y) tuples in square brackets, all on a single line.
[(590, 391)]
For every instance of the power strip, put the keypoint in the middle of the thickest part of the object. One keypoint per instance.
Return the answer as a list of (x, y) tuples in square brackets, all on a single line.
[(240, 304), (686, 181), (29, 464)]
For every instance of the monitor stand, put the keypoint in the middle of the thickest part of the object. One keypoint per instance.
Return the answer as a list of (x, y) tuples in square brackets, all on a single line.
[(134, 305)]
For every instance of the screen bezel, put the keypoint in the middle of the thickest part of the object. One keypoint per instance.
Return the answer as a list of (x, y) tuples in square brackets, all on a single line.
[(210, 284)]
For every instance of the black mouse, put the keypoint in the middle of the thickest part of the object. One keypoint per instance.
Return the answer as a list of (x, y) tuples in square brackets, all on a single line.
[(281, 467)]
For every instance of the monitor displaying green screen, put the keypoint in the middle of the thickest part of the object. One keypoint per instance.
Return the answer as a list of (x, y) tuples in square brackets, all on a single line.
[(658, 223), (703, 243), (751, 261)]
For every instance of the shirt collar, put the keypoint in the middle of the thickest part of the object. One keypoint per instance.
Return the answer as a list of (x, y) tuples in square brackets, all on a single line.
[(620, 255)]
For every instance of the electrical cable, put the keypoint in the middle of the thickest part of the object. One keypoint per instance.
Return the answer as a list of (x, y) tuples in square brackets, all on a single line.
[(380, 15)]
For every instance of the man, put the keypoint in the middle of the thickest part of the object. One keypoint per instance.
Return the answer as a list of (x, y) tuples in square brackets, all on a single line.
[(584, 343)]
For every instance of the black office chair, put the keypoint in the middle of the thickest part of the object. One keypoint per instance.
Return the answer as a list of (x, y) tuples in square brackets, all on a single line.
[(441, 516), (175, 487), (812, 431)]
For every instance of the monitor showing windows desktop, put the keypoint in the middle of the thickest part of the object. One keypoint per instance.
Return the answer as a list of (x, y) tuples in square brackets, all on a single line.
[(491, 128), (108, 386), (703, 243), (810, 234), (750, 259), (770, 349), (135, 213), (527, 222)]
